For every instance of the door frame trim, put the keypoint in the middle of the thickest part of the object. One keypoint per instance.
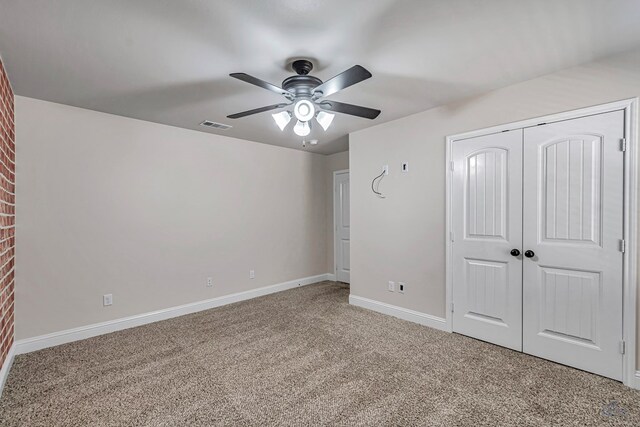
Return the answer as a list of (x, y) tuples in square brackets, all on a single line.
[(335, 240), (629, 274)]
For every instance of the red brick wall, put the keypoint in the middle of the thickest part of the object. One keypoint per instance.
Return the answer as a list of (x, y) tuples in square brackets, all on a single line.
[(7, 213)]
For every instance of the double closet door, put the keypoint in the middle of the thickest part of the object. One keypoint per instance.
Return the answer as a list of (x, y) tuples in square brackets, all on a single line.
[(537, 221)]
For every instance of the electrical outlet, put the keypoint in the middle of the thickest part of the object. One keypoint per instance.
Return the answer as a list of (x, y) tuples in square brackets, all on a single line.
[(405, 167), (385, 169), (252, 274), (107, 299), (402, 287), (391, 286), (209, 282)]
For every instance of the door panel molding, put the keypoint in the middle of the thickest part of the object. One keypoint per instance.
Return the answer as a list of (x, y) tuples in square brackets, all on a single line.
[(569, 291), (565, 218), (492, 200), (630, 221)]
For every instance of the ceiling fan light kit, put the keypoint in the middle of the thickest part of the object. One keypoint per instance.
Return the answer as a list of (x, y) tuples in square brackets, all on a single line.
[(282, 119), (325, 119), (306, 94), (304, 110), (302, 128)]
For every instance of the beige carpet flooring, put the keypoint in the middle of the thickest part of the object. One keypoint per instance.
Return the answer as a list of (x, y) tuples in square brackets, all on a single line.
[(302, 358)]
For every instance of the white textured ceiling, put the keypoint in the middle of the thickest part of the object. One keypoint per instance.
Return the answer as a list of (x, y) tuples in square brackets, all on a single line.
[(168, 61)]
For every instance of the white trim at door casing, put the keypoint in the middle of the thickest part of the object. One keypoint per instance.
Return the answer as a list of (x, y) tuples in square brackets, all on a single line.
[(630, 108), (335, 244), (399, 312), (630, 270), (62, 337)]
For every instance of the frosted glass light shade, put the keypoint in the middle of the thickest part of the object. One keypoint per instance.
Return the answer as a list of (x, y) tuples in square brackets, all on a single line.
[(325, 119), (304, 110), (302, 128), (282, 119)]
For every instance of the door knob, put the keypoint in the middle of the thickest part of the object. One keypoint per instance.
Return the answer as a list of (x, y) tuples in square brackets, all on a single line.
[(515, 252), (529, 253)]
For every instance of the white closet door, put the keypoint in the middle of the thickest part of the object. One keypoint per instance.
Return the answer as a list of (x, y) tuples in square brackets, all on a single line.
[(487, 226), (573, 224)]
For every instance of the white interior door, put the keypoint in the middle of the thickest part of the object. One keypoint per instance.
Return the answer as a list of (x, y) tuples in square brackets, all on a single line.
[(487, 226), (341, 227), (573, 224)]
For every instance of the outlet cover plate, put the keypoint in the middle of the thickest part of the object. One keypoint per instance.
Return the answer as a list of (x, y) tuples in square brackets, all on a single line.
[(402, 287), (107, 299)]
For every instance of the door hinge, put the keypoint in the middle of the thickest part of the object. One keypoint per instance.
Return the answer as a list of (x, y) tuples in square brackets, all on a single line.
[(623, 245), (623, 144), (451, 166), (452, 236), (623, 347), (452, 307)]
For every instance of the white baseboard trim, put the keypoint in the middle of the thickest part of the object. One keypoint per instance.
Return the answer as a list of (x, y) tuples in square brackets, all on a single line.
[(331, 276), (636, 381), (62, 337), (6, 367), (401, 313)]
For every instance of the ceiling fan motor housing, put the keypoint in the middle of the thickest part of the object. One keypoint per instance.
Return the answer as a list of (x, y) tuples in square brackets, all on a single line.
[(303, 84)]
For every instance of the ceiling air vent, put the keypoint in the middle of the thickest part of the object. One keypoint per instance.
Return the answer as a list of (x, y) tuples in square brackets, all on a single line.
[(215, 125)]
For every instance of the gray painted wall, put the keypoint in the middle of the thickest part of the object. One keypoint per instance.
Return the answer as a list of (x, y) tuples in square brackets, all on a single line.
[(402, 237), (147, 212)]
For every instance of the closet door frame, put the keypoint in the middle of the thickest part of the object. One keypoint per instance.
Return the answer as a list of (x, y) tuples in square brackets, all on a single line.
[(630, 376)]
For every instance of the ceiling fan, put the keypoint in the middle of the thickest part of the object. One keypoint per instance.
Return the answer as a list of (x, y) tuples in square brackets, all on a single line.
[(307, 95)]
